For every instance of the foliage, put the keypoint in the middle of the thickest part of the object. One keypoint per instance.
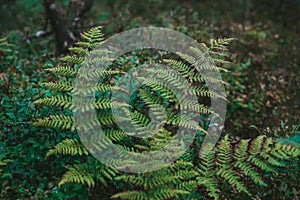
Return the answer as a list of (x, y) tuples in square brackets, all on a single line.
[(263, 90), (236, 164), (231, 162), (22, 146)]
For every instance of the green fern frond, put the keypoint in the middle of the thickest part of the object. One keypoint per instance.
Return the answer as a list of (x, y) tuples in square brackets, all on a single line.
[(4, 45), (185, 122), (105, 103), (79, 173), (233, 179), (115, 135), (61, 100), (166, 183), (202, 91), (139, 118), (188, 73), (62, 86), (149, 98), (247, 158), (200, 108), (251, 172), (167, 193), (73, 60), (87, 174), (224, 152), (97, 73), (159, 86), (79, 50), (90, 90), (230, 162), (134, 195), (221, 43), (68, 147), (94, 37), (63, 122), (63, 71), (106, 118)]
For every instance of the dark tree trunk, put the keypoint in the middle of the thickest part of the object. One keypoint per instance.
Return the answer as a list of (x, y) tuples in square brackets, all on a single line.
[(58, 26)]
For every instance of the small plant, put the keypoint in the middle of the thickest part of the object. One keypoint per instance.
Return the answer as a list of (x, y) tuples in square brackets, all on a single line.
[(228, 167)]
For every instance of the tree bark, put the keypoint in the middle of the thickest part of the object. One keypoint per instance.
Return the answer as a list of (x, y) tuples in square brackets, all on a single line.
[(58, 26)]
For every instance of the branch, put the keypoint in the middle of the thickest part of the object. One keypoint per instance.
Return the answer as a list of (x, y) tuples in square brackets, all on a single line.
[(38, 34)]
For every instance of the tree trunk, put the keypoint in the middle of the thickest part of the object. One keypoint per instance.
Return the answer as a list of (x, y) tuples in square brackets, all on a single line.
[(58, 26)]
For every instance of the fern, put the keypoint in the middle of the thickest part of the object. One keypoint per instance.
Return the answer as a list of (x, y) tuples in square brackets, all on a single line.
[(3, 163), (85, 174), (167, 183), (245, 159), (68, 146), (4, 45), (226, 163), (233, 163)]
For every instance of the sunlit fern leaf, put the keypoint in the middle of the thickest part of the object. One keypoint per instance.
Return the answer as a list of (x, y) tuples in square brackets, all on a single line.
[(79, 173), (139, 118), (202, 91), (63, 71), (224, 152), (68, 147), (97, 73), (79, 50), (186, 71), (200, 108), (62, 86), (200, 63), (159, 86), (73, 60), (169, 193), (94, 36), (149, 98), (63, 122), (4, 45), (61, 100), (221, 43), (115, 135)]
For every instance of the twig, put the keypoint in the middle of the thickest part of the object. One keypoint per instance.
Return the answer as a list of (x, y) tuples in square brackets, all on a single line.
[(39, 34)]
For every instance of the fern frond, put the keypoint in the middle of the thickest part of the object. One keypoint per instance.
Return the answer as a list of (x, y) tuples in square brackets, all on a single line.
[(63, 71), (134, 195), (150, 98), (167, 193), (4, 45), (247, 158), (68, 147), (93, 36), (87, 174), (79, 50), (62, 86), (233, 180), (61, 100), (202, 91), (162, 184), (73, 60), (63, 122), (79, 173), (221, 43), (189, 73)]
